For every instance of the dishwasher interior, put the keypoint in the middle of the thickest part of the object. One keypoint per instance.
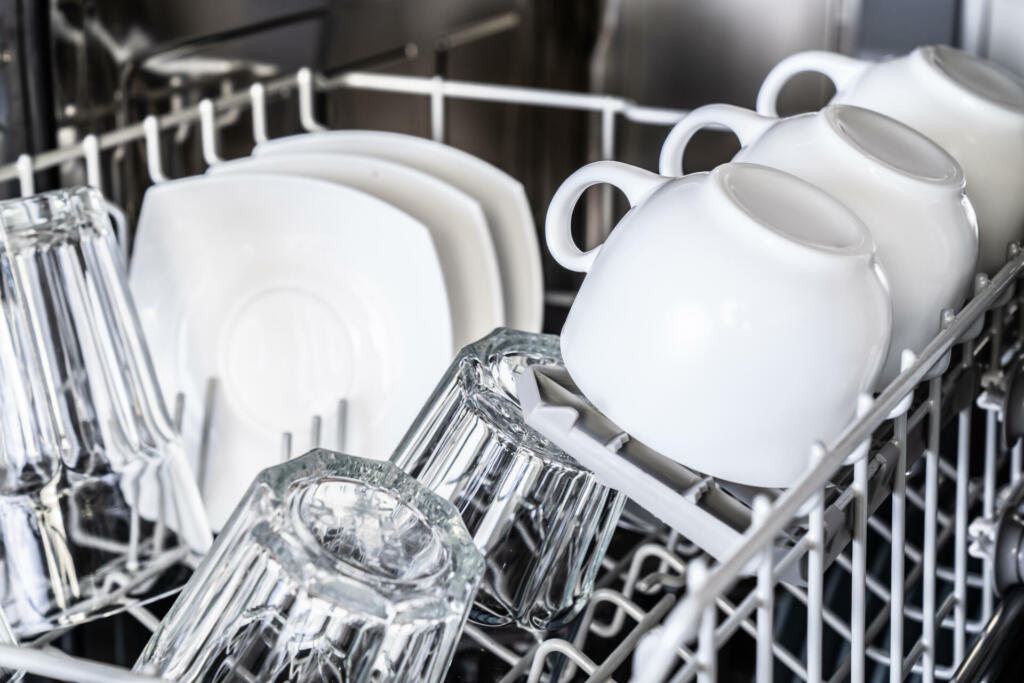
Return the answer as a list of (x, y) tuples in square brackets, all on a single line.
[(891, 559)]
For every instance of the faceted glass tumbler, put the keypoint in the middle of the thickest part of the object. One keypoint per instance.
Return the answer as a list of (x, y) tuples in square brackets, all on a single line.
[(95, 491), (332, 568), (541, 520)]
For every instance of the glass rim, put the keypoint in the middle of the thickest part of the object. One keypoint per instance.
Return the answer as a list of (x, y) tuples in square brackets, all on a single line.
[(66, 211), (480, 398)]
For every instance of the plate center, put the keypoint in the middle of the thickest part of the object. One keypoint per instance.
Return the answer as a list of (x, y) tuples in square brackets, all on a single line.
[(288, 356)]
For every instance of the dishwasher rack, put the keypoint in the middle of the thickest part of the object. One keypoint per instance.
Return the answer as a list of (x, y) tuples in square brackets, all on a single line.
[(910, 485)]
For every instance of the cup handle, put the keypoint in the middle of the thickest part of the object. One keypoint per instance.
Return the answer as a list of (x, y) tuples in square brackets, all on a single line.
[(635, 182), (840, 69), (746, 124)]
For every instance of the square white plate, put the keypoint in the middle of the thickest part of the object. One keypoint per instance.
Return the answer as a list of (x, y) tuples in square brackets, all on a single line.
[(294, 293)]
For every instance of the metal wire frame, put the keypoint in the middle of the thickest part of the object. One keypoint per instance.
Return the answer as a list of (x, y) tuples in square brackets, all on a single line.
[(644, 609), (698, 610), (941, 605)]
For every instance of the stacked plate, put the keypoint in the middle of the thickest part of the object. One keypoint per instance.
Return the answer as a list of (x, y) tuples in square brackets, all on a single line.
[(313, 293)]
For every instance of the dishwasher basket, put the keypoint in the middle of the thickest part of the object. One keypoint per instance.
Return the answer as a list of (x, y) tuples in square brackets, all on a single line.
[(883, 561)]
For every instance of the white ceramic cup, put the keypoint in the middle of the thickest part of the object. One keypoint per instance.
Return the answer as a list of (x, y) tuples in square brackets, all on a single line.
[(731, 319), (907, 190), (971, 107)]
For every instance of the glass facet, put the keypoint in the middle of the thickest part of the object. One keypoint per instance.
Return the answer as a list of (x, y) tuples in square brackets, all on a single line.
[(95, 491), (332, 568), (541, 520)]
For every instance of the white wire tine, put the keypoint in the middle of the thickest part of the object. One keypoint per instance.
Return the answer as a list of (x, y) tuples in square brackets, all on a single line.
[(286, 447), (864, 403), (928, 577), (815, 576), (946, 318), (907, 359), (306, 87), (762, 509), (858, 585), (963, 459), (258, 97), (91, 154), (818, 451), (896, 581), (342, 424), (206, 429), (988, 509), (314, 431), (981, 281), (151, 128), (696, 575), (26, 175), (179, 411), (437, 109), (208, 131)]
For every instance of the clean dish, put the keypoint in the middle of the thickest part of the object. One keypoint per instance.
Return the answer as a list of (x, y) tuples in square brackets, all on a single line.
[(972, 107), (524, 501), (906, 189), (455, 221), (501, 196), (295, 294), (744, 296)]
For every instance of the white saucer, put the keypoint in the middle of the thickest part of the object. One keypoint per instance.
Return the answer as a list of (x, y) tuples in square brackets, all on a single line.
[(455, 221), (501, 196), (294, 293)]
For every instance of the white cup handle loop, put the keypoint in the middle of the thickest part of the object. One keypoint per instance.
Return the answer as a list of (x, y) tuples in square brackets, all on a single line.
[(635, 182), (840, 69), (746, 124)]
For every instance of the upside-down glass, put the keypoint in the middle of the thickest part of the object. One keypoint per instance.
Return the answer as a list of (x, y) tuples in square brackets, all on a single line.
[(332, 568), (95, 491), (541, 520)]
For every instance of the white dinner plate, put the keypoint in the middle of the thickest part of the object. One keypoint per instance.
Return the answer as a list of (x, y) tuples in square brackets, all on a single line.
[(501, 196), (455, 221), (295, 294)]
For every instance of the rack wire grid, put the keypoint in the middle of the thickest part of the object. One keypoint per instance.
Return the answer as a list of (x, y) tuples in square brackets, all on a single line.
[(897, 596)]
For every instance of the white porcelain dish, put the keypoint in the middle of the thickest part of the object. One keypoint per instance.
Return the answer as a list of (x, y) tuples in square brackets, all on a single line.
[(906, 189), (294, 293), (972, 107), (456, 223), (731, 319), (501, 196)]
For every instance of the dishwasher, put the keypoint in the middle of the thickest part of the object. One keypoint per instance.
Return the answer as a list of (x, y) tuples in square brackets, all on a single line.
[(896, 555)]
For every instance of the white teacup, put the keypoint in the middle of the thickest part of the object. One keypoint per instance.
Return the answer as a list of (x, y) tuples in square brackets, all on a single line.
[(906, 189), (729, 321), (971, 107)]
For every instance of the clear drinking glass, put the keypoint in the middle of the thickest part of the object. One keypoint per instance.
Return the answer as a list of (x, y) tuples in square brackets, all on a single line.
[(332, 568), (95, 491), (542, 521)]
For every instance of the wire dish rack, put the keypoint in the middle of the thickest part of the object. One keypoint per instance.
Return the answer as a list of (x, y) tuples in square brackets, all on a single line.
[(883, 561)]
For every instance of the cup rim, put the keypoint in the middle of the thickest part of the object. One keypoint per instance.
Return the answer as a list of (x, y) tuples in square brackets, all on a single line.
[(929, 56)]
